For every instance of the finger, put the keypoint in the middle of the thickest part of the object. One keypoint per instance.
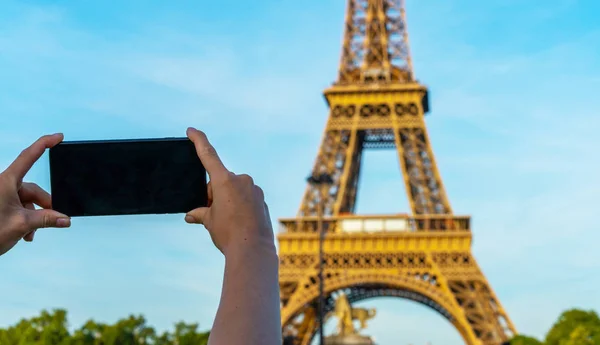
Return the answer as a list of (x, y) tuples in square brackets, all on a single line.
[(246, 179), (38, 219), (207, 154), (268, 215), (197, 216), (259, 193), (32, 193), (210, 194), (29, 236), (30, 155)]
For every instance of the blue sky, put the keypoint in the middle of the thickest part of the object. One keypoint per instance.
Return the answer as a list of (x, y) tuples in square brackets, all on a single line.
[(514, 123)]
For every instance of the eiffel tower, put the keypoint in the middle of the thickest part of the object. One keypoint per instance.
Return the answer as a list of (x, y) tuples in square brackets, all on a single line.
[(376, 103)]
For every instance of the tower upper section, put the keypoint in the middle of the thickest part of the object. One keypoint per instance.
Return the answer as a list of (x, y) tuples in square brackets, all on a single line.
[(375, 49)]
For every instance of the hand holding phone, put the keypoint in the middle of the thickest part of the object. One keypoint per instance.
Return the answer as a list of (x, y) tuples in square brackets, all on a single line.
[(18, 217), (237, 215)]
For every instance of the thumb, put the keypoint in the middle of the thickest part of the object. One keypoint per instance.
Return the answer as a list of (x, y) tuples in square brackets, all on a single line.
[(197, 216), (37, 219)]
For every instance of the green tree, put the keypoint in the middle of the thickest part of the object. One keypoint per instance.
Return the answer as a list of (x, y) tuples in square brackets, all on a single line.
[(164, 339), (52, 329), (89, 334), (581, 335), (17, 334), (130, 331), (187, 334), (575, 324), (524, 340), (46, 329)]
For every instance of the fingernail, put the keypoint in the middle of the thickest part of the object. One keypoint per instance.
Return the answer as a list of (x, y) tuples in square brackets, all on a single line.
[(63, 222), (189, 219)]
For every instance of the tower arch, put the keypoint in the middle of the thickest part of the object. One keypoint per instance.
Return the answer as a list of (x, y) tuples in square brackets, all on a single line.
[(366, 286)]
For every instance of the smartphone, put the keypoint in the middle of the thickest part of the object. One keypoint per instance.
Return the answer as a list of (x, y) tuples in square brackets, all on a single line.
[(126, 177)]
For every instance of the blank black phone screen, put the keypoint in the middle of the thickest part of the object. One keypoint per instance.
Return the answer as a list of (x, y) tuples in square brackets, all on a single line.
[(121, 177)]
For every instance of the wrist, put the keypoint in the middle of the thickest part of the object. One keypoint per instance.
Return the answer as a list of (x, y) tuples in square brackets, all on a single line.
[(262, 252)]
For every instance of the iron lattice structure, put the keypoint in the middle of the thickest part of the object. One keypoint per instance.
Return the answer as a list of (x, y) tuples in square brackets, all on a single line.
[(376, 103)]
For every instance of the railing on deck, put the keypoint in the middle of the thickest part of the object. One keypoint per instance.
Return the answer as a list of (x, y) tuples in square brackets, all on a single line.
[(377, 223)]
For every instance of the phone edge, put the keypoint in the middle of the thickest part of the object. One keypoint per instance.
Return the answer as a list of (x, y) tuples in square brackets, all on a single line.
[(116, 141)]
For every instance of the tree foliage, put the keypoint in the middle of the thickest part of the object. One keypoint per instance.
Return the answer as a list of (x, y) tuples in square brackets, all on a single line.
[(573, 327), (525, 340), (580, 326), (51, 328)]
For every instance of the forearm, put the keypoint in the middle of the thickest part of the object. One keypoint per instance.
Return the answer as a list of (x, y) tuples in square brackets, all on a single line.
[(249, 311)]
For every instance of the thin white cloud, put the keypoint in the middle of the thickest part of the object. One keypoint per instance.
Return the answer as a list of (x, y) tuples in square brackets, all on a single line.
[(210, 85)]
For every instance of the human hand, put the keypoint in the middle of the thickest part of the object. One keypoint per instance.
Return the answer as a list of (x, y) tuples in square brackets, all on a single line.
[(237, 215), (18, 217)]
